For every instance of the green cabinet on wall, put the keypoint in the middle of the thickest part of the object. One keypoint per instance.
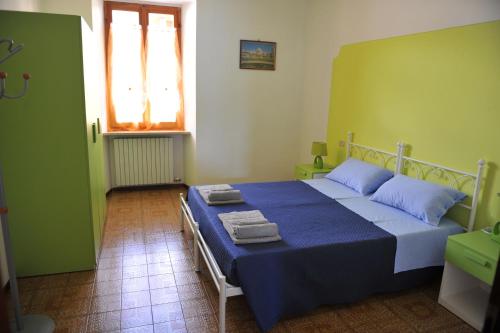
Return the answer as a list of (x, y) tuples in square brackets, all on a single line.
[(51, 150)]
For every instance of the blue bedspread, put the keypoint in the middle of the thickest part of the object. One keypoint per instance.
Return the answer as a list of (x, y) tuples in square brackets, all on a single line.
[(328, 253)]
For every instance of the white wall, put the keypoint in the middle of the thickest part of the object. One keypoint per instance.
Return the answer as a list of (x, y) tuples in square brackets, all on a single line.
[(247, 120), (189, 80), (82, 8), (333, 23), (20, 5)]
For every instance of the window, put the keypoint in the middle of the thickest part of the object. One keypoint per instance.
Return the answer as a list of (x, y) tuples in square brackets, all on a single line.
[(143, 67)]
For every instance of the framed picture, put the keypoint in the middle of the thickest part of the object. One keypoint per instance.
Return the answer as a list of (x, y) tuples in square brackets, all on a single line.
[(257, 55)]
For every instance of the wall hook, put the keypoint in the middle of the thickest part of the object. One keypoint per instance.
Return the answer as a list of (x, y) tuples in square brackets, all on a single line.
[(3, 94), (12, 49)]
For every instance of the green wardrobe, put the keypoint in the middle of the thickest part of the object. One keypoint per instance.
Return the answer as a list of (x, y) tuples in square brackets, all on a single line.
[(51, 148)]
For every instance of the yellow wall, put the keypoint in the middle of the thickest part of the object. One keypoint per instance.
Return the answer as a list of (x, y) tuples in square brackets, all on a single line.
[(438, 91)]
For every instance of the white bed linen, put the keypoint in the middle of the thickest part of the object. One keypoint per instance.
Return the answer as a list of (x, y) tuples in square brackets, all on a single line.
[(332, 189), (419, 244)]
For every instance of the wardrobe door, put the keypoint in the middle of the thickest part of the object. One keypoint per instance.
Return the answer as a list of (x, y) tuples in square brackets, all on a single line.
[(43, 148)]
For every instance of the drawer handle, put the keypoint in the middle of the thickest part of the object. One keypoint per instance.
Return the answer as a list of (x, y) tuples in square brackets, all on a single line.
[(475, 258)]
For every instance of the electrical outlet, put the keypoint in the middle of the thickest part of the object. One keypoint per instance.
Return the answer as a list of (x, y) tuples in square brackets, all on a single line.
[(177, 180), (341, 143)]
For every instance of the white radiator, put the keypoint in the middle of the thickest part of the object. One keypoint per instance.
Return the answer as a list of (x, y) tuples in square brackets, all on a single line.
[(142, 161)]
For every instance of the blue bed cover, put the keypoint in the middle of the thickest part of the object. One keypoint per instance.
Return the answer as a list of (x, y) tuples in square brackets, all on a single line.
[(328, 254)]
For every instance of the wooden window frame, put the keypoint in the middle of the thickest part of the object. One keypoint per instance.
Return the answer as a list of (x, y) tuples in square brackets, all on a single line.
[(143, 11)]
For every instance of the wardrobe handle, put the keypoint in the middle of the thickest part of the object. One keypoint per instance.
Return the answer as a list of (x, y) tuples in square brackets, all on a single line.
[(99, 126), (94, 135)]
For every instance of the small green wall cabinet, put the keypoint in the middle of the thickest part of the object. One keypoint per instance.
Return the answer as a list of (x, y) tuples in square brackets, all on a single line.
[(53, 168)]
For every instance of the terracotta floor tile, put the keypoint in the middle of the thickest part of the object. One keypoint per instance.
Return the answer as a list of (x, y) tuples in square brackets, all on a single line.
[(161, 281), (164, 295), (108, 288), (188, 277), (423, 313), (110, 274), (112, 252), (146, 268), (135, 284), (202, 324), (160, 268), (158, 257), (141, 329), (134, 260), (175, 326), (182, 265), (134, 249), (71, 325), (102, 322), (130, 272), (53, 281), (156, 247), (106, 303), (191, 291), (196, 307), (136, 317), (135, 299), (167, 312), (48, 296), (78, 278), (78, 291), (71, 307), (106, 263)]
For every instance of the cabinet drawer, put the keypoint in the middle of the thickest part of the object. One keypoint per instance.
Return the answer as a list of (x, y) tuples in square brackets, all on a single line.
[(471, 261), (319, 175), (302, 174)]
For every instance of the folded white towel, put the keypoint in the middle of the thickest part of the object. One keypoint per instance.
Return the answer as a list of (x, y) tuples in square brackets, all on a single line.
[(206, 190), (255, 230), (243, 218), (240, 241), (225, 195), (215, 187)]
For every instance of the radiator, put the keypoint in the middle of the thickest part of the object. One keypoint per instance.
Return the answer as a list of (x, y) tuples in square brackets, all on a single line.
[(142, 161)]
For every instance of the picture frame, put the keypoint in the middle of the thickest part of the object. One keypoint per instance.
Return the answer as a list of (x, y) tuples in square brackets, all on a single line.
[(257, 55)]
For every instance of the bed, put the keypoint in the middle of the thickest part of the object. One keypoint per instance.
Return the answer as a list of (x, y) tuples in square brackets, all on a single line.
[(337, 246)]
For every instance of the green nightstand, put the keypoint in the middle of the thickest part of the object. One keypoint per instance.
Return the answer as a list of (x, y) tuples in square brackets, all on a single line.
[(469, 270), (308, 171)]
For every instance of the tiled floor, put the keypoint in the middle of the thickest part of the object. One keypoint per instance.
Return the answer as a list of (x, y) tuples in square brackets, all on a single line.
[(145, 283)]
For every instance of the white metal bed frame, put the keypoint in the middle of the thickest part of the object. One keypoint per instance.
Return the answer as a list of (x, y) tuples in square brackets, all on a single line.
[(455, 178)]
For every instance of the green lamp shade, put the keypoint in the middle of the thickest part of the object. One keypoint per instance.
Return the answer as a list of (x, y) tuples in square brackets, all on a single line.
[(318, 149)]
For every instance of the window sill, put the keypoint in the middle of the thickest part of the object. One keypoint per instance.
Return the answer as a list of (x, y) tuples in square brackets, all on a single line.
[(145, 133)]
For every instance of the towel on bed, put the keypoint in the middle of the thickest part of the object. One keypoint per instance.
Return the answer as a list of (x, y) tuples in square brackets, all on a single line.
[(248, 227), (219, 194), (243, 218), (255, 230), (238, 241), (225, 195), (216, 187)]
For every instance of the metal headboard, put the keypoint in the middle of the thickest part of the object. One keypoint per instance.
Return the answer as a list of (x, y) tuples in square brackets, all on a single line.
[(456, 179), (384, 158)]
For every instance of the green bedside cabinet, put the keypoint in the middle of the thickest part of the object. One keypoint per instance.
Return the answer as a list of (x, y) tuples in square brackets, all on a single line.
[(470, 265), (308, 171)]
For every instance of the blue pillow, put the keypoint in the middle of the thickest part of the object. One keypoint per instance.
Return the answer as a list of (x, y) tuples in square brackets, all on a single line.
[(426, 201), (362, 177)]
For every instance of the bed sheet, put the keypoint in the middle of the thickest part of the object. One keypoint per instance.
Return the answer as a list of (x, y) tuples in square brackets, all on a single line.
[(419, 244)]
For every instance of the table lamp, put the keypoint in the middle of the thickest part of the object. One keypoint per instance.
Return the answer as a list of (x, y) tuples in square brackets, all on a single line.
[(318, 149)]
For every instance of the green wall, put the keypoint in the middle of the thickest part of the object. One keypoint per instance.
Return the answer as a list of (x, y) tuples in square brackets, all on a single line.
[(438, 91), (43, 146)]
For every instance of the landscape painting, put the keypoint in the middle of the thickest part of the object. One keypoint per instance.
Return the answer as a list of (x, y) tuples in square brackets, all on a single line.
[(257, 55)]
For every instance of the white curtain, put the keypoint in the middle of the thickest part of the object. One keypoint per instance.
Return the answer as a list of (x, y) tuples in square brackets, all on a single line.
[(128, 91)]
